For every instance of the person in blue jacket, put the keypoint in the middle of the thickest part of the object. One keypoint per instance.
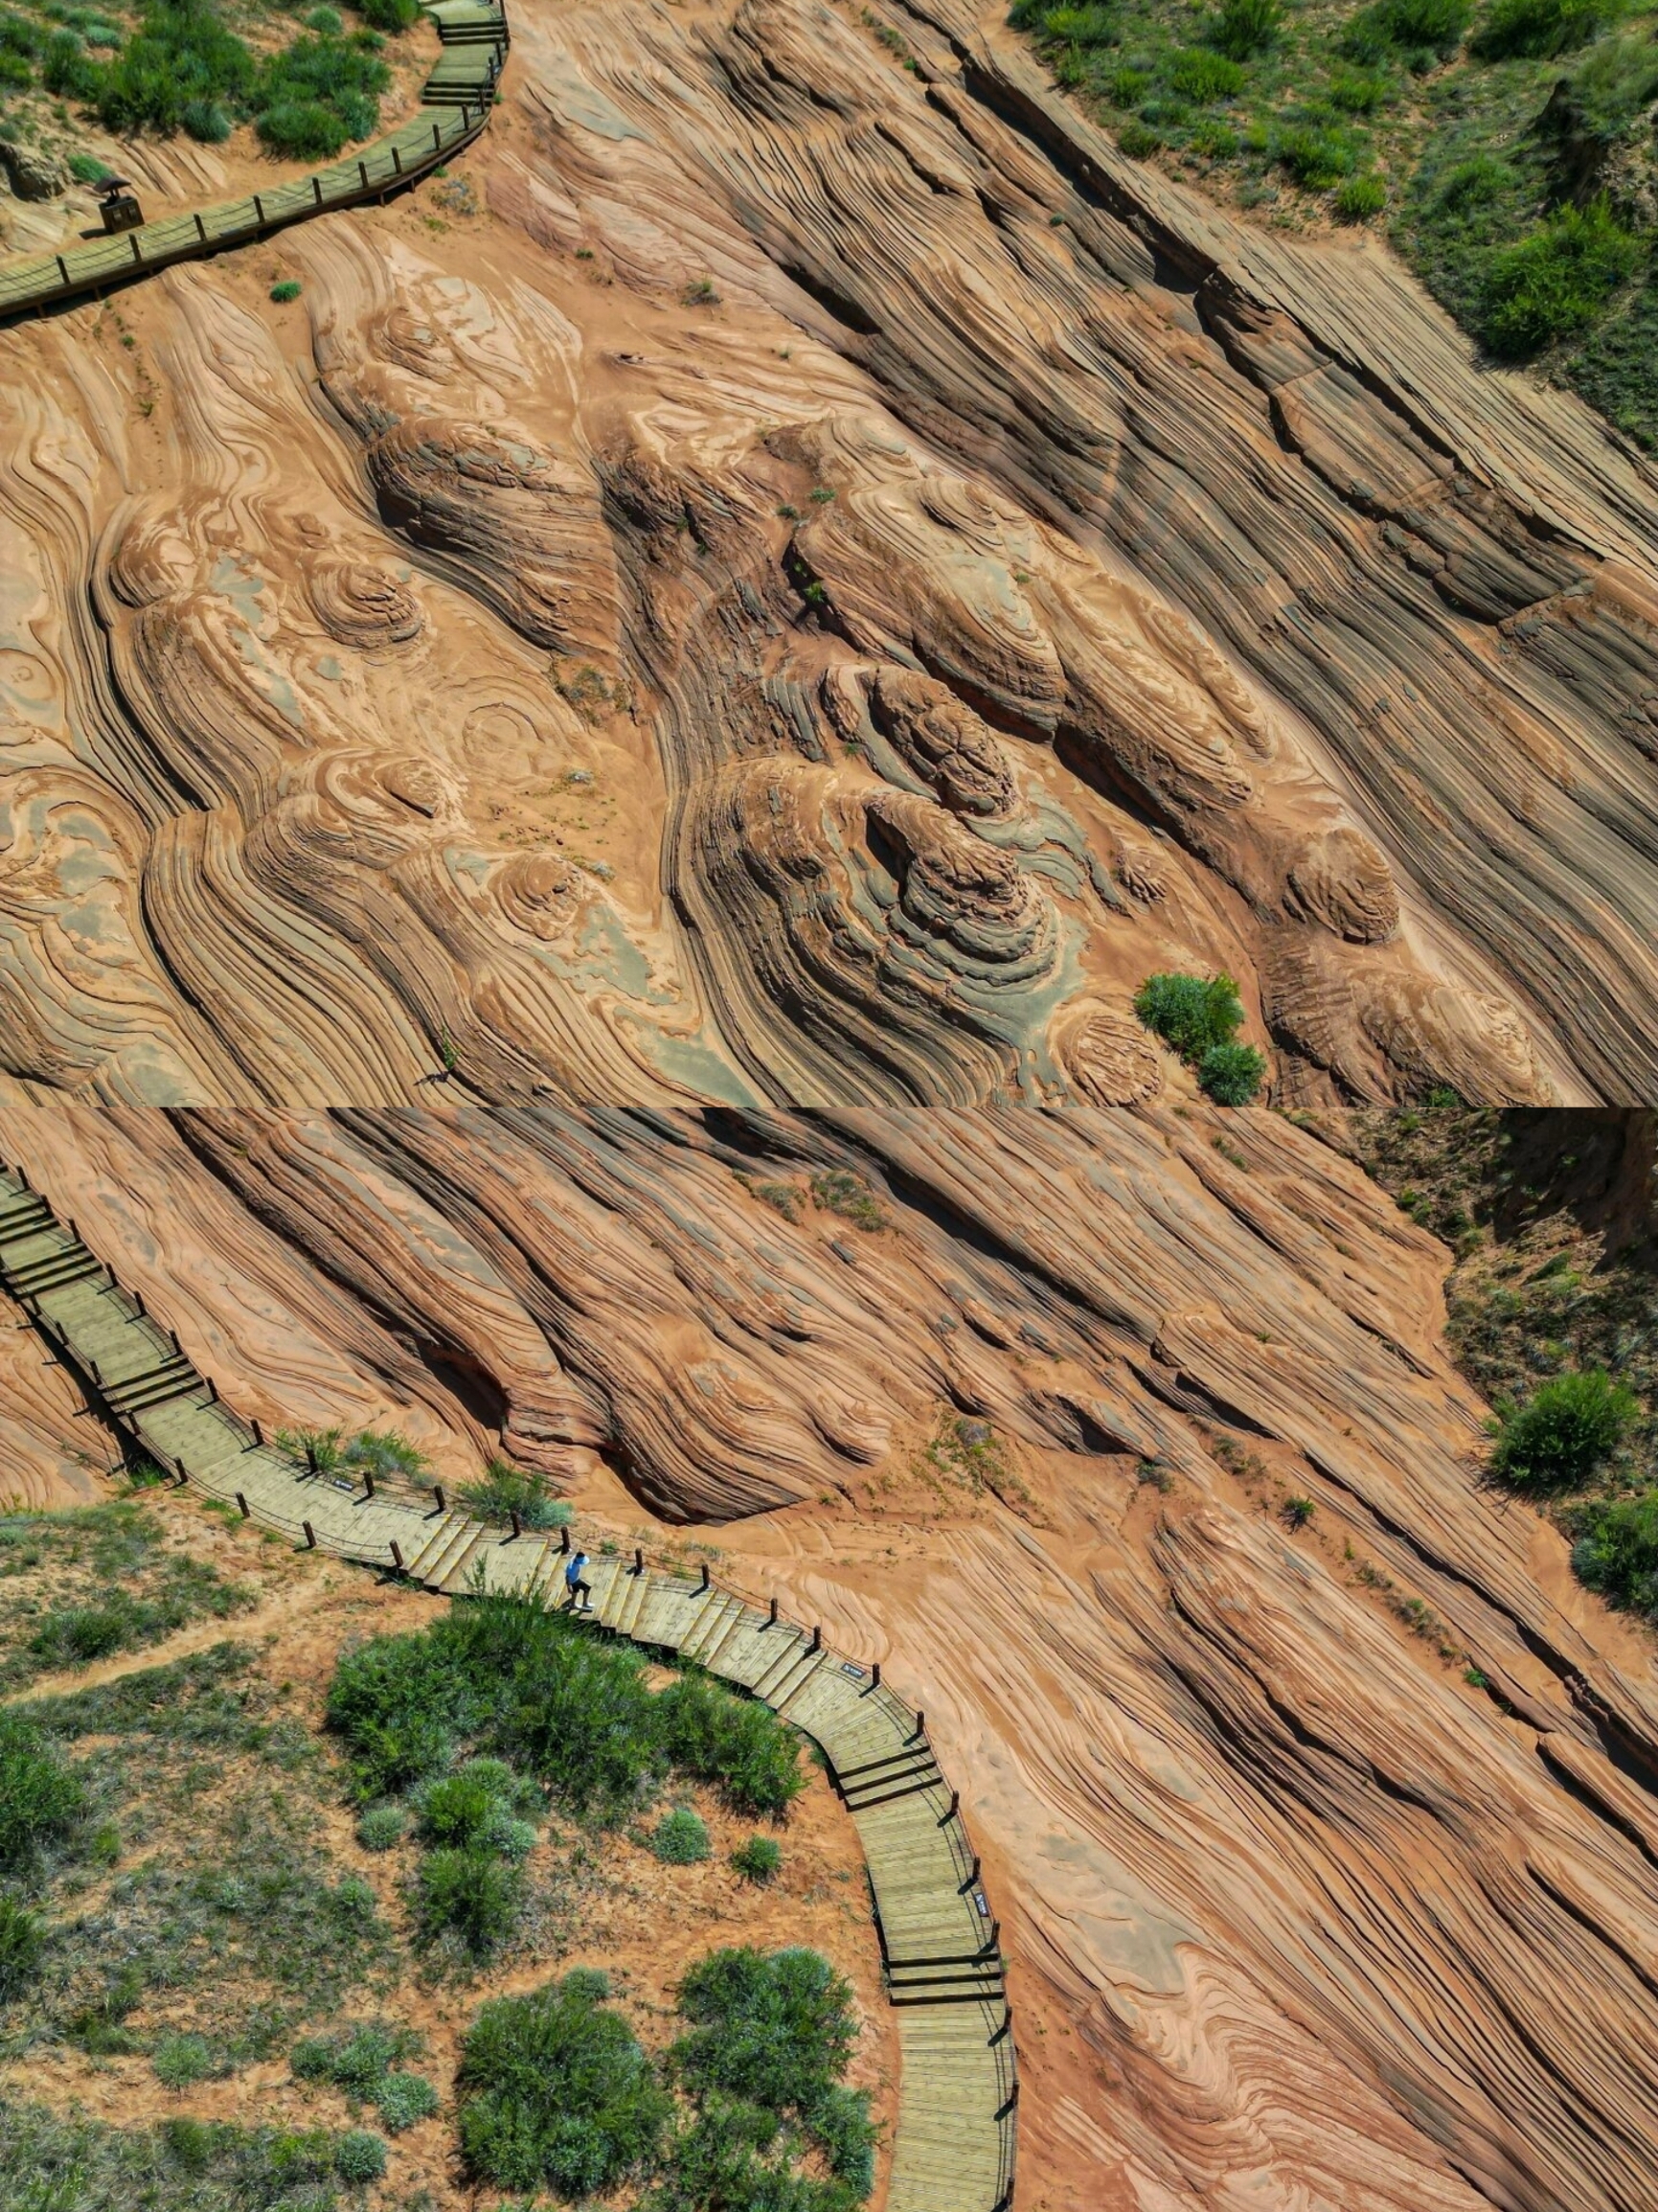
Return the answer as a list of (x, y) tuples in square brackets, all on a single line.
[(580, 1591)]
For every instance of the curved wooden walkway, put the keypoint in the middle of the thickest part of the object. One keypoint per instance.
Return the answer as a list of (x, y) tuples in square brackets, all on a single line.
[(954, 2142), (456, 101)]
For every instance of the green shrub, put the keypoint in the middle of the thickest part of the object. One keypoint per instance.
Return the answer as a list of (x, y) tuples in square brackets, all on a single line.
[(188, 2143), (680, 1838), (309, 65), (1355, 93), (1202, 76), (776, 2031), (1542, 27), (508, 1490), (181, 53), (327, 20), (18, 36), (22, 1946), (1565, 1431), (41, 1800), (1618, 1552), (357, 2061), (14, 70), (359, 2158), (1360, 199), (180, 2061), (471, 1896), (303, 130), (760, 1859), (1230, 1073), (381, 1826), (68, 70), (1218, 141), (87, 168), (737, 1743), (1127, 88), (840, 2120), (1553, 284), (401, 1703), (554, 2092), (1470, 184), (391, 16), (1316, 158), (1137, 140), (403, 2099), (457, 1810), (1189, 1012), (1421, 31), (207, 121), (1086, 26), (1245, 27)]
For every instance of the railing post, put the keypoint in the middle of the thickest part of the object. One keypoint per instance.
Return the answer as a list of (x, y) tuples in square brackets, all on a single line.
[(258, 1435), (242, 1505), (920, 1729), (137, 249), (638, 1558), (310, 1535), (993, 1941), (955, 1807), (438, 1493), (703, 1584), (63, 272), (311, 1459), (363, 172), (368, 1482), (972, 1880), (816, 1644), (564, 1539), (437, 145), (212, 1391), (259, 209), (396, 1557), (517, 1525), (138, 1301), (317, 190), (771, 1617), (396, 161), (1005, 2030), (200, 229), (876, 1676)]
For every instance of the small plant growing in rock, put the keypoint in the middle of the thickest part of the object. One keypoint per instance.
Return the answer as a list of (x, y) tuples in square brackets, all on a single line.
[(508, 1490), (700, 294), (843, 1191), (1565, 1431), (1299, 1511), (759, 1861), (287, 289), (680, 1838)]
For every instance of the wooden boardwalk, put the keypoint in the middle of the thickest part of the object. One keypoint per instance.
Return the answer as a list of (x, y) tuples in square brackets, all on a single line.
[(954, 2141), (456, 101)]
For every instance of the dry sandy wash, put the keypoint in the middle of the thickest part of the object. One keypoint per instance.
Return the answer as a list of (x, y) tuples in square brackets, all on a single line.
[(822, 582), (1298, 1913)]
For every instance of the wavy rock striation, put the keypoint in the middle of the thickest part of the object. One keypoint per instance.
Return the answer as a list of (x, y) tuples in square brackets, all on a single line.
[(807, 600), (1302, 1910)]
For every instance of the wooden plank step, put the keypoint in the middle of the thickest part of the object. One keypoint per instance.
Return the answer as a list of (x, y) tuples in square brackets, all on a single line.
[(55, 1273)]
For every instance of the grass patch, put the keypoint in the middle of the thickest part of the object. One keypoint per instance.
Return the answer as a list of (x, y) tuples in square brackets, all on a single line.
[(556, 2093), (760, 1859), (50, 2164), (42, 1801), (680, 1838)]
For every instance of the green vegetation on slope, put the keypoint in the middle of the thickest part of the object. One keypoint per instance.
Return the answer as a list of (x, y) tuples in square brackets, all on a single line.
[(200, 67), (1551, 1316), (1515, 143)]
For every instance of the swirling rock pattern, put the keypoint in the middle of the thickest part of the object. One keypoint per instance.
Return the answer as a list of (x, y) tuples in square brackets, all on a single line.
[(1297, 1911), (404, 681)]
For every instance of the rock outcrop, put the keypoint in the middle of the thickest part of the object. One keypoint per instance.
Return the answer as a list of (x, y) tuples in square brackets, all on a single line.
[(825, 584)]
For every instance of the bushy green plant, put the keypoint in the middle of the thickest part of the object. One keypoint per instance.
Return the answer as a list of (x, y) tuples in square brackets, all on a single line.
[(327, 20), (680, 1837), (1232, 1074), (1191, 1013), (1316, 158), (403, 2099), (555, 2093), (774, 2030), (1356, 92), (391, 16), (357, 2060), (22, 1946), (760, 1859), (381, 1826), (1552, 285), (471, 1896), (208, 121), (1565, 1431), (308, 64), (182, 2061), (1199, 75), (1421, 31), (1216, 141), (1617, 1552), (359, 2158), (508, 1490), (287, 289), (41, 1800), (1090, 25), (1358, 200), (1245, 27), (738, 1745), (1542, 27), (840, 2120), (87, 168)]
